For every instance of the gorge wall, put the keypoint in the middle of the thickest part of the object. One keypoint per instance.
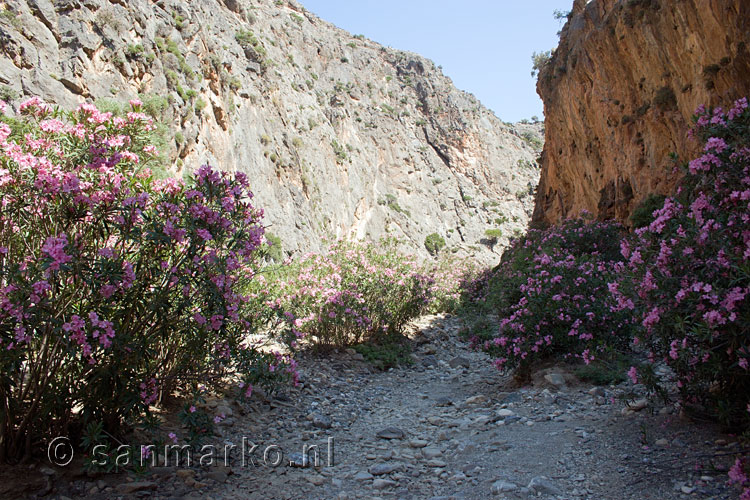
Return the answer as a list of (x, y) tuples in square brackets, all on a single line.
[(619, 93), (340, 136)]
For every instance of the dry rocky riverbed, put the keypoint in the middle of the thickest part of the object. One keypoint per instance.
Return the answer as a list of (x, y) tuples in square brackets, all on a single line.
[(447, 427)]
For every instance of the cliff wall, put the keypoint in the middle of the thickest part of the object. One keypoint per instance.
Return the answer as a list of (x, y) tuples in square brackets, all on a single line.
[(619, 93)]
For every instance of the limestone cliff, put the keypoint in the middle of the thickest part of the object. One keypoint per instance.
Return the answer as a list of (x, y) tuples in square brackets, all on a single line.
[(619, 93), (340, 136)]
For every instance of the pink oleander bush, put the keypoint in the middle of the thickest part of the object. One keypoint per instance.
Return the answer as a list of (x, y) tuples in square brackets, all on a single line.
[(115, 288), (677, 291), (739, 476), (689, 274), (550, 294), (451, 276), (352, 293)]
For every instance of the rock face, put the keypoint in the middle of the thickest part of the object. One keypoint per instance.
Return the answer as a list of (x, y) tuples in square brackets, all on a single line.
[(340, 136), (619, 93)]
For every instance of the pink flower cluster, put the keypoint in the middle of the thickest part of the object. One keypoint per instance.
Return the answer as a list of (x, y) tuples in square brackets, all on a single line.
[(106, 268), (554, 301), (687, 271), (54, 249), (149, 391), (738, 475)]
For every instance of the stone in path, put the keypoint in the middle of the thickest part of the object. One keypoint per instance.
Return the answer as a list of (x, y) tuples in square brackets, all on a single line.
[(543, 485), (130, 488), (502, 486), (390, 433)]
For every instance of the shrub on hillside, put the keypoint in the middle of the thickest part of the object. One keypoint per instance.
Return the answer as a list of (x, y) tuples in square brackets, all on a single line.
[(434, 243), (690, 270), (551, 296), (114, 288), (274, 249), (491, 238), (450, 277)]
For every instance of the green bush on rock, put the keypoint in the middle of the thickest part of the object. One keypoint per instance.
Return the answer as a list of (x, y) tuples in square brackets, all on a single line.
[(434, 243)]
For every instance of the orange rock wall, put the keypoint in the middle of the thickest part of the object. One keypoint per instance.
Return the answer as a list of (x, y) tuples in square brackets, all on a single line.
[(619, 94)]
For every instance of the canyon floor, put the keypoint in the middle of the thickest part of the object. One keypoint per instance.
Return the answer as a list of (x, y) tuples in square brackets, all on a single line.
[(448, 426)]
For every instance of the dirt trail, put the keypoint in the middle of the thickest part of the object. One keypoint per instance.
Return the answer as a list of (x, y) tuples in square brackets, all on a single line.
[(448, 426)]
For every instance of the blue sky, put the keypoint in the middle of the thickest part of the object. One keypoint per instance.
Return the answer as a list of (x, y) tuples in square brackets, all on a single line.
[(484, 46)]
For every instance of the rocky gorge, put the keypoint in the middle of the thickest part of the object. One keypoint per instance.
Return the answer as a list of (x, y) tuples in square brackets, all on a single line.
[(590, 363)]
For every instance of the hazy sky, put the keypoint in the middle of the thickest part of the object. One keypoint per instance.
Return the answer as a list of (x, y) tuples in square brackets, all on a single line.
[(484, 46)]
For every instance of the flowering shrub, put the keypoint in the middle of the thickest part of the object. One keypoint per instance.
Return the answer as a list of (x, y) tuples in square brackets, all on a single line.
[(115, 288), (739, 475), (451, 277), (690, 273), (354, 292), (551, 296)]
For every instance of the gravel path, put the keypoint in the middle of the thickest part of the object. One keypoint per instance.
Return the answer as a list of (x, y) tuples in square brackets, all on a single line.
[(447, 427)]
